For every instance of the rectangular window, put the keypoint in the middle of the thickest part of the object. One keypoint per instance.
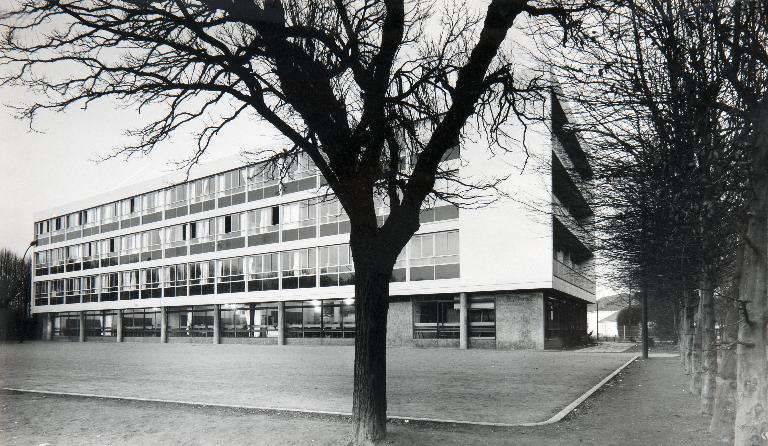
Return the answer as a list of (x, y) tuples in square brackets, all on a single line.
[(231, 231), (176, 201), (90, 286), (150, 283), (316, 318), (263, 272), (482, 318), (201, 275), (231, 278), (109, 286), (436, 318), (262, 182), (56, 292), (90, 255), (299, 268), (263, 226), (129, 248), (151, 245), (232, 187), (249, 320), (129, 285), (190, 321), (176, 241), (142, 322), (333, 219), (298, 220), (73, 257), (201, 235), (203, 195), (57, 261), (72, 294), (336, 265), (109, 252), (152, 207), (131, 207), (41, 263), (100, 323), (175, 280), (41, 293), (301, 174), (66, 324), (110, 217), (91, 217), (435, 256)]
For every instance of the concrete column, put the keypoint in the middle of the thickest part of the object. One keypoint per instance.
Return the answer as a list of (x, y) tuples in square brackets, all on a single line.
[(81, 338), (163, 325), (48, 332), (281, 323), (217, 324), (463, 321), (119, 334)]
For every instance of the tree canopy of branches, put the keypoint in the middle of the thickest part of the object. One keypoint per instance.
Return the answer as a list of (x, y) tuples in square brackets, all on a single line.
[(357, 85)]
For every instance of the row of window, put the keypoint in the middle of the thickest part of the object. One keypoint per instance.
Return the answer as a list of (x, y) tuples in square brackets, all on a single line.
[(222, 190), (288, 222), (327, 318), (217, 191), (432, 256)]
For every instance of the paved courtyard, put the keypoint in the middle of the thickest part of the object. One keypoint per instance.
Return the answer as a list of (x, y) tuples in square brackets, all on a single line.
[(469, 385)]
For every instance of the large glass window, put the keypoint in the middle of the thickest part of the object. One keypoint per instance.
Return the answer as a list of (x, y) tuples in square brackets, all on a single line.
[(249, 320), (74, 259), (100, 323), (201, 275), (232, 183), (57, 260), (151, 245), (176, 241), (299, 268), (90, 252), (231, 278), (333, 219), (150, 283), (263, 272), (263, 226), (66, 324), (190, 321), (129, 248), (110, 217), (231, 231), (152, 202), (109, 286), (90, 288), (298, 220), (336, 265), (176, 201), (129, 285), (56, 292), (435, 256), (301, 174), (435, 318), (175, 280), (41, 293), (109, 252), (263, 182), (203, 195), (130, 212), (201, 235), (72, 294), (142, 322), (316, 318), (482, 318), (41, 263)]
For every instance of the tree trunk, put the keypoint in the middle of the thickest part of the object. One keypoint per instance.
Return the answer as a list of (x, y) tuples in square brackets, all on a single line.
[(751, 394), (369, 400), (690, 314), (724, 411), (695, 381), (708, 347)]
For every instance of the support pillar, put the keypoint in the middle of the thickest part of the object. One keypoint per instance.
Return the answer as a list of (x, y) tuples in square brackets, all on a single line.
[(81, 338), (217, 324), (119, 334), (48, 332), (163, 325), (463, 321), (281, 323)]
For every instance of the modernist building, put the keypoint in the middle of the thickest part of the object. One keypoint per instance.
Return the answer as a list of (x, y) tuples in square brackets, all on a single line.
[(232, 255)]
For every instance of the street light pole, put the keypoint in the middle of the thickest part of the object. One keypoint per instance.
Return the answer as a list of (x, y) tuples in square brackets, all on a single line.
[(25, 306)]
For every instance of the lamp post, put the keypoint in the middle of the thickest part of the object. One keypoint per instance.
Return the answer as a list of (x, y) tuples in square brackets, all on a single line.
[(25, 306)]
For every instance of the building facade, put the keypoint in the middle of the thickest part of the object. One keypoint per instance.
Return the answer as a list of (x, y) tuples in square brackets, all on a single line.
[(233, 255)]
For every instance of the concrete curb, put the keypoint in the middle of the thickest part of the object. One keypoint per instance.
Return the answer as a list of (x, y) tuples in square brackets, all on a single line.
[(343, 415)]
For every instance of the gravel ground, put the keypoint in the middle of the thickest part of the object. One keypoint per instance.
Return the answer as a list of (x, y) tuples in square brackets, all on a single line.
[(469, 385), (647, 404)]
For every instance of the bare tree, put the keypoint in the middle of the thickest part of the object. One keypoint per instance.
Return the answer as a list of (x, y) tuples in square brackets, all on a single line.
[(357, 85)]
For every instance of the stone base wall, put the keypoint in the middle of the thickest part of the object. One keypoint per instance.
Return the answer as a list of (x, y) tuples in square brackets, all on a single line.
[(188, 340), (319, 341), (520, 321), (254, 341)]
